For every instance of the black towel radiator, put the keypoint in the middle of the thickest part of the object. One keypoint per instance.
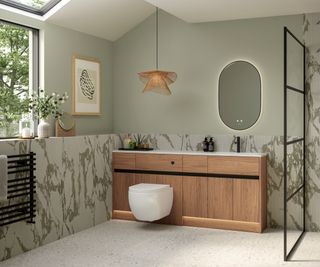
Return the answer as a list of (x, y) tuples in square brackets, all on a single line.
[(21, 203)]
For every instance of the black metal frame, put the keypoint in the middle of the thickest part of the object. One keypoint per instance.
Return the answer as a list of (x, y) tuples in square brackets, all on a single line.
[(35, 61), (30, 9), (21, 189), (288, 254)]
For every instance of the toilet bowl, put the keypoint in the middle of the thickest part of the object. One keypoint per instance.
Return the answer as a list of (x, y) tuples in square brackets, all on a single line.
[(150, 202)]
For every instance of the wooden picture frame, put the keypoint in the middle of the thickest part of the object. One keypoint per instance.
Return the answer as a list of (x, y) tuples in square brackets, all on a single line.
[(86, 92)]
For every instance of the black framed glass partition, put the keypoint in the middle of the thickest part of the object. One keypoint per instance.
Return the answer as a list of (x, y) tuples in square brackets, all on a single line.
[(294, 142)]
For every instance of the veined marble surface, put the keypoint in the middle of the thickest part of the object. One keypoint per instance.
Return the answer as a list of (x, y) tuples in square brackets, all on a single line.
[(312, 42), (74, 181), (195, 153), (74, 189)]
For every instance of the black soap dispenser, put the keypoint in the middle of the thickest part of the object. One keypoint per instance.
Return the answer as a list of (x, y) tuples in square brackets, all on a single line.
[(205, 144), (211, 145)]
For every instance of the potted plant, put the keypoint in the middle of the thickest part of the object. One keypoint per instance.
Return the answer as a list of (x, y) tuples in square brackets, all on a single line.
[(45, 106)]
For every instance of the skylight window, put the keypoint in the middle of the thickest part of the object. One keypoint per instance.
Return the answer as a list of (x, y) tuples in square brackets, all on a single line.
[(38, 7)]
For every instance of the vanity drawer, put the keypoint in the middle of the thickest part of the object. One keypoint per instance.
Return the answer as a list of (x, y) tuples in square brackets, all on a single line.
[(195, 164), (234, 165), (158, 162), (123, 161)]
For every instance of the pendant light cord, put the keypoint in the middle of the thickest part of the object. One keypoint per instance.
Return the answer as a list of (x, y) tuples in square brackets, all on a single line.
[(157, 38)]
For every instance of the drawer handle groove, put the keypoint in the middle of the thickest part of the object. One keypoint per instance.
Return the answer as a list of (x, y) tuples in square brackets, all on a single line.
[(172, 162)]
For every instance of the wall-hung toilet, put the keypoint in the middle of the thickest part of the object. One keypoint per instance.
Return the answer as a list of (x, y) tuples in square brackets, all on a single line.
[(150, 202)]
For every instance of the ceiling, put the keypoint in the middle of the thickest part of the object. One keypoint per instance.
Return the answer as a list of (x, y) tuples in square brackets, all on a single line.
[(110, 19), (215, 10), (107, 19)]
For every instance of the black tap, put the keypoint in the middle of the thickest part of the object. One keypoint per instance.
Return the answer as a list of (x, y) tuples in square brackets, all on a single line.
[(238, 142)]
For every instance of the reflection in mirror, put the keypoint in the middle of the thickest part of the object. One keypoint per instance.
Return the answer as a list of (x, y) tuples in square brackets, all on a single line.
[(66, 121), (239, 95), (294, 219)]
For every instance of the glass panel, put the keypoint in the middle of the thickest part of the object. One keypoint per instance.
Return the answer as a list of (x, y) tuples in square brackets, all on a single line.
[(294, 219), (38, 4), (14, 71), (39, 7), (294, 63), (295, 106), (294, 167)]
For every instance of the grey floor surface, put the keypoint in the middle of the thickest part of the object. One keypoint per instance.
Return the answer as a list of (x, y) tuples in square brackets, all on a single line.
[(125, 243)]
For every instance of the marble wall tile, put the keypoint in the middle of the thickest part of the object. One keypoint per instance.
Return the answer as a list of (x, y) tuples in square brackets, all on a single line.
[(312, 42), (74, 189)]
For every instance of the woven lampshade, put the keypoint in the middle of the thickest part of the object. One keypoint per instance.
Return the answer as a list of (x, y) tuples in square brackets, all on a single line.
[(157, 81)]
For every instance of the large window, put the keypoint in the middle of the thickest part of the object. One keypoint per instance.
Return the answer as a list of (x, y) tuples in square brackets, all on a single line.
[(18, 74), (39, 7)]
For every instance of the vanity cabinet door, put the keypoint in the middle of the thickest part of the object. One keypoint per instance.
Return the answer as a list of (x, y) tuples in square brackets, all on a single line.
[(220, 201), (195, 187), (195, 196), (175, 182), (145, 178), (120, 187), (246, 194)]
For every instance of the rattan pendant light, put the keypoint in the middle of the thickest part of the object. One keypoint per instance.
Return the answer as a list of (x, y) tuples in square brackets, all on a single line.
[(157, 81)]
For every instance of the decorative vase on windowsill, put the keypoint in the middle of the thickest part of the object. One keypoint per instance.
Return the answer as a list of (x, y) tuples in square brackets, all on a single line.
[(44, 106), (43, 129)]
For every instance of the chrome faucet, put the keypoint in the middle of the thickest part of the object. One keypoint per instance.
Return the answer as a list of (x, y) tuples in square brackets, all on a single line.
[(238, 142)]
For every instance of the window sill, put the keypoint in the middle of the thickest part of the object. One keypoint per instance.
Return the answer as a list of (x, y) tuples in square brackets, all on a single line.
[(14, 138)]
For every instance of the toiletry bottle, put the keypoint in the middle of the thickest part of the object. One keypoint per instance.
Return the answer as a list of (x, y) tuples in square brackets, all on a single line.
[(211, 145), (205, 145)]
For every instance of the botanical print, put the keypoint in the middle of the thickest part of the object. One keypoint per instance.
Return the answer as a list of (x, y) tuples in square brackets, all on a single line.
[(86, 86)]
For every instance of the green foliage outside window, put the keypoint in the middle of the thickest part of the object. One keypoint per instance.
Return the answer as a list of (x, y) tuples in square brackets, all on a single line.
[(14, 77), (33, 3)]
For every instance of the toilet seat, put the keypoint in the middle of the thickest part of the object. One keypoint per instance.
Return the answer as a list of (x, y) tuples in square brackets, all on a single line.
[(146, 188)]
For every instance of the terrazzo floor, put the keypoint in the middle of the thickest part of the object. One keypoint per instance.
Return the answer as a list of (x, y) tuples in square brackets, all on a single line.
[(125, 243)]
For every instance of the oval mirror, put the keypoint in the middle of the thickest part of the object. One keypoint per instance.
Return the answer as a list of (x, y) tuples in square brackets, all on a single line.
[(66, 121), (239, 95)]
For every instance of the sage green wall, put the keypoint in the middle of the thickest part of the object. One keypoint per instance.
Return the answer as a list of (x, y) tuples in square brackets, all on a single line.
[(198, 53), (57, 45)]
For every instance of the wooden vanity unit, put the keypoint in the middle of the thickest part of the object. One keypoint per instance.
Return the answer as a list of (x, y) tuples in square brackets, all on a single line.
[(215, 190)]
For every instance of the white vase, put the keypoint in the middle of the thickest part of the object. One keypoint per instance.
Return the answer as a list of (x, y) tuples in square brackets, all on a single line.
[(43, 129)]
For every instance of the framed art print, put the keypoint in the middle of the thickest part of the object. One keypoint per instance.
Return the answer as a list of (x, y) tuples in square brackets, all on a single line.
[(86, 86)]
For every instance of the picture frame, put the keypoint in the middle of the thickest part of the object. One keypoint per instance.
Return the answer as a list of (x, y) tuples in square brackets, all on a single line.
[(86, 91)]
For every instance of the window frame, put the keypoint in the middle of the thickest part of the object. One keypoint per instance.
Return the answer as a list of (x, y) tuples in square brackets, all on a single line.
[(35, 64), (42, 11)]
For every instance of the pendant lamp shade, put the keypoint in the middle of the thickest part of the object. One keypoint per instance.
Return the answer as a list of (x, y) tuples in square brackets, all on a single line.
[(157, 81)]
